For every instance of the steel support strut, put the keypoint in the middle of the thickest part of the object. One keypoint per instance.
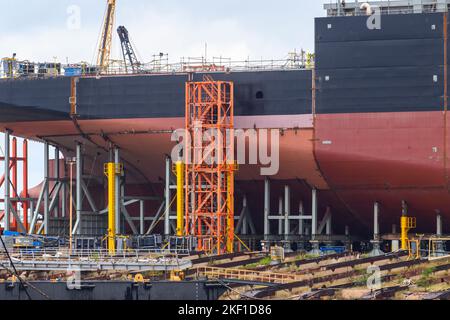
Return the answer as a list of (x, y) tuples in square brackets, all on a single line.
[(117, 193), (168, 201), (47, 187), (266, 208), (7, 183), (78, 191)]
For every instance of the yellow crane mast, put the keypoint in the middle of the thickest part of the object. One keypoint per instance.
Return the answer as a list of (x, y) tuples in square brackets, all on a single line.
[(104, 49)]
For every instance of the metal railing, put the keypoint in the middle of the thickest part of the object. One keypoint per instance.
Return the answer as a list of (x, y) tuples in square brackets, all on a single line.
[(387, 7), (248, 275), (92, 254), (295, 61)]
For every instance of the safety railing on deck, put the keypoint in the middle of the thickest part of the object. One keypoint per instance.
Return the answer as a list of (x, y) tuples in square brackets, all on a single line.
[(248, 275), (295, 61), (91, 254), (350, 8)]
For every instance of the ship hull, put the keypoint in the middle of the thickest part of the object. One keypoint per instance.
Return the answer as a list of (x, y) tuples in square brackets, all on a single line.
[(368, 124)]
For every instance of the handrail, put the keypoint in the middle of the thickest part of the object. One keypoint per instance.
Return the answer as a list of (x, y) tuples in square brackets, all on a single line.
[(249, 275)]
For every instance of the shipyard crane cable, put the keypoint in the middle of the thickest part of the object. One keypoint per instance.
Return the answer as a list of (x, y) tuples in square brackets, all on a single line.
[(14, 272), (27, 283)]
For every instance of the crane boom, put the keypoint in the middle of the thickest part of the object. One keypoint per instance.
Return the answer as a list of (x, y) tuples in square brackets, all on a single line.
[(104, 50), (129, 55)]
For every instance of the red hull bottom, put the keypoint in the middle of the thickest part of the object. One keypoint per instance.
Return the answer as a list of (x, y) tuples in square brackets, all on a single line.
[(353, 160)]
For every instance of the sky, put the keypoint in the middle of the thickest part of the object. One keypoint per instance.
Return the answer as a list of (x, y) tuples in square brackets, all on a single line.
[(68, 30)]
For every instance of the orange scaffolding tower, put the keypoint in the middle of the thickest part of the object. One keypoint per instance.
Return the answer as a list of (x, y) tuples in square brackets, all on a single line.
[(210, 165)]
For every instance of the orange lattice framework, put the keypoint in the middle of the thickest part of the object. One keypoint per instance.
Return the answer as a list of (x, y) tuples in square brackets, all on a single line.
[(210, 165)]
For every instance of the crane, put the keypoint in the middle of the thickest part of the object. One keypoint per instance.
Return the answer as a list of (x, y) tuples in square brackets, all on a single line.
[(127, 50), (104, 49)]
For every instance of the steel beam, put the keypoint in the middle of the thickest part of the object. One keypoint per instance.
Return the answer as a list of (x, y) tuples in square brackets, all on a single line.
[(325, 223), (376, 243), (89, 198), (129, 220), (56, 175), (280, 213), (141, 217), (287, 211), (54, 202), (7, 194), (167, 199), (376, 224), (46, 191), (329, 225), (439, 224), (79, 200), (63, 200), (244, 216), (314, 214), (157, 218), (38, 204), (266, 208), (301, 212)]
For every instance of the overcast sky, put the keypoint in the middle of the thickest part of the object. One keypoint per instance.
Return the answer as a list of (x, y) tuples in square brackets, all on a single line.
[(45, 30)]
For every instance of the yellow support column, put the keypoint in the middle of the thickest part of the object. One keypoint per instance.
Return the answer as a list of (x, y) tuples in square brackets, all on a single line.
[(111, 170), (404, 232), (406, 224), (230, 206), (180, 198)]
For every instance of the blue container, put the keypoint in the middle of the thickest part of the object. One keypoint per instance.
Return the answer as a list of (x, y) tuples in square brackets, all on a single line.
[(333, 249), (72, 72), (11, 233)]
